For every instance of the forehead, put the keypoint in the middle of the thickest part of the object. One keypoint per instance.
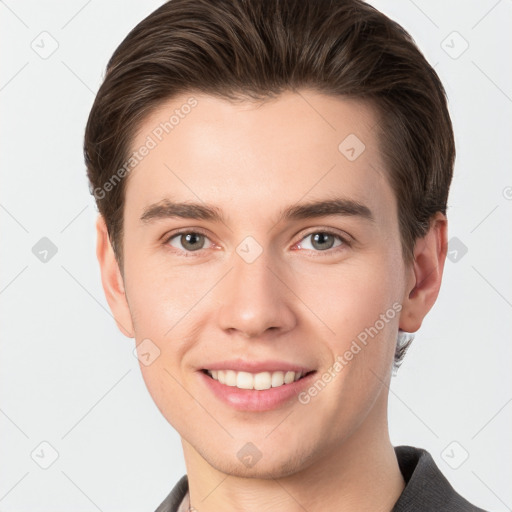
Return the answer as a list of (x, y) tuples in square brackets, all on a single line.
[(253, 157)]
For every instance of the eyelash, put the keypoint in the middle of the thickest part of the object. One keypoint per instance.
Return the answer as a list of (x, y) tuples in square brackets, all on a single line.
[(345, 243)]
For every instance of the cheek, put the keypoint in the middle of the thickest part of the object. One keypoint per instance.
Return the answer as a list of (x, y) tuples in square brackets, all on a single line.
[(159, 296), (352, 295), (166, 387)]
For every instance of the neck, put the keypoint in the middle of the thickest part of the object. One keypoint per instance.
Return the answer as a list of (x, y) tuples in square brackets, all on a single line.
[(360, 474)]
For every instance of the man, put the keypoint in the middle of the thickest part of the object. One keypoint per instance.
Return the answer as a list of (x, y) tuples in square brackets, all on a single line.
[(305, 149)]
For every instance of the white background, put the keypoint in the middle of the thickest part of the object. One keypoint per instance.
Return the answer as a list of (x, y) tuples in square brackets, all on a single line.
[(68, 377)]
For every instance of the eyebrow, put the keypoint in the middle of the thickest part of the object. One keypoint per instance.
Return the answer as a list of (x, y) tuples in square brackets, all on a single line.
[(340, 206)]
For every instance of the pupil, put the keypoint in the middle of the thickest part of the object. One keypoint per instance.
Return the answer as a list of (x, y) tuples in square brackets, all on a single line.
[(319, 238), (191, 240)]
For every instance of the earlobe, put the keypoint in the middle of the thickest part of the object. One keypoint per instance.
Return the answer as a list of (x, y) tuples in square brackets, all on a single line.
[(426, 275), (112, 280)]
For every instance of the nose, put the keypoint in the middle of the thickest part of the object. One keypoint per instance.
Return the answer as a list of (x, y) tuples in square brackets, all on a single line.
[(255, 299)]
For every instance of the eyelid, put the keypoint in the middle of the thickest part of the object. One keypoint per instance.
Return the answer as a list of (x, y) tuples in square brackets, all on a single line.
[(182, 231), (331, 231)]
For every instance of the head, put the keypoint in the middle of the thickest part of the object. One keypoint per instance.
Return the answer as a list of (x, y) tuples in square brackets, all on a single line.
[(254, 111)]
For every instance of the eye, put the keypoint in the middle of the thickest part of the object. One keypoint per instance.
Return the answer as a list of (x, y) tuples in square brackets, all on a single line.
[(323, 241), (189, 241)]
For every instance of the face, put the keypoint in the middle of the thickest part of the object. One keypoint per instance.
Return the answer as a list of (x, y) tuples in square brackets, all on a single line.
[(291, 259)]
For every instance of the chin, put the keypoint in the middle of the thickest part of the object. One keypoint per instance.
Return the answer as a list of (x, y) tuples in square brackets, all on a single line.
[(280, 465)]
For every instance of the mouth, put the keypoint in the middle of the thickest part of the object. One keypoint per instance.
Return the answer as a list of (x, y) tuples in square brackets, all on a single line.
[(256, 381)]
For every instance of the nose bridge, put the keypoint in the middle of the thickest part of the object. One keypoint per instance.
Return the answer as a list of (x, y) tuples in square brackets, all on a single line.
[(253, 298)]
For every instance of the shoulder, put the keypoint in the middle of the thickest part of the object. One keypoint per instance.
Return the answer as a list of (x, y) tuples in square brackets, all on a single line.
[(427, 489), (175, 497)]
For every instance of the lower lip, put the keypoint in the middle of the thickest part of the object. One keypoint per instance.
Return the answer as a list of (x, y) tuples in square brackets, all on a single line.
[(254, 399)]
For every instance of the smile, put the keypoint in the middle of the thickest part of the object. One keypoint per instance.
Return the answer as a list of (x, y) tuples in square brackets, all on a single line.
[(258, 381)]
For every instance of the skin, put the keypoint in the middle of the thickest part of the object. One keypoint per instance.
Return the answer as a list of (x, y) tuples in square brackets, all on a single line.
[(298, 301)]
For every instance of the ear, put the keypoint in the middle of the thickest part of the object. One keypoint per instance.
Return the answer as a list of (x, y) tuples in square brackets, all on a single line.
[(425, 275), (112, 280)]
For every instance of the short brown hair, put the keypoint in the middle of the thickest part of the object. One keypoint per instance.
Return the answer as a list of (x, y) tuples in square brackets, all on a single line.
[(256, 49)]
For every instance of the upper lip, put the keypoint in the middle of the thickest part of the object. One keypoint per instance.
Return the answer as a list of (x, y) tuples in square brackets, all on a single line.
[(241, 365)]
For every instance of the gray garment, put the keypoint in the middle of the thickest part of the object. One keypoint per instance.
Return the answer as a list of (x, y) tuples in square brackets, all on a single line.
[(426, 490)]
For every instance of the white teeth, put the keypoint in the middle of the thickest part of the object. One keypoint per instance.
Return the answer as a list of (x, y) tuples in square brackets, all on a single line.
[(289, 376), (259, 381), (263, 381), (277, 379), (230, 378), (244, 380)]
